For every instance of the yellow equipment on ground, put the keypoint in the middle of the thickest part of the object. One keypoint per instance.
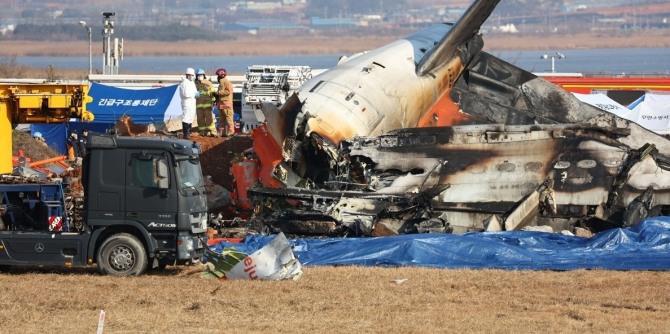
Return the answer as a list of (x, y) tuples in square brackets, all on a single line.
[(38, 103)]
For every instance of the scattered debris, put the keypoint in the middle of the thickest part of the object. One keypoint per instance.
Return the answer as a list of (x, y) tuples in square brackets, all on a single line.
[(274, 262)]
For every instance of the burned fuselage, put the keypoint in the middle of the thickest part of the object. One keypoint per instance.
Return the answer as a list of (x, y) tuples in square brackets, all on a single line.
[(432, 134), (481, 178), (401, 85)]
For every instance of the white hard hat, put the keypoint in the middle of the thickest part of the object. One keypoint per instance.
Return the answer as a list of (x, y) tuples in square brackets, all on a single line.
[(190, 71)]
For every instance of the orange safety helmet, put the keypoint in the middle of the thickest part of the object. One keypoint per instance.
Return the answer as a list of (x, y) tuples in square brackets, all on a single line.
[(221, 72)]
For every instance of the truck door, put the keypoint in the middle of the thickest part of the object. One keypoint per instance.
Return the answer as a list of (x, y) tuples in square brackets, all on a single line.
[(151, 196)]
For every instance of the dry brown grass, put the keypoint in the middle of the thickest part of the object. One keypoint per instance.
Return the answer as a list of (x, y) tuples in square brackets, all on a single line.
[(242, 46), (246, 45), (338, 300)]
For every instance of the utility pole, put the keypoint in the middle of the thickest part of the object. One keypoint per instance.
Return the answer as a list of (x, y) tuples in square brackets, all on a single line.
[(107, 31), (90, 54)]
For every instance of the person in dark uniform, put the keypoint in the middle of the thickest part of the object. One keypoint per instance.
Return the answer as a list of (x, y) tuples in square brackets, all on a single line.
[(81, 142)]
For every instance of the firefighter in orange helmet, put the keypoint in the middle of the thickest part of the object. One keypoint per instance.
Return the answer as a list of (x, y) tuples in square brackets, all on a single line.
[(225, 103)]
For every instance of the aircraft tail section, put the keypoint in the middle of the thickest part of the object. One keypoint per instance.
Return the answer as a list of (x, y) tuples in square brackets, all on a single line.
[(464, 29)]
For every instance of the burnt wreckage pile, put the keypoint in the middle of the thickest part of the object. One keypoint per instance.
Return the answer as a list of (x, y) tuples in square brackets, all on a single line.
[(470, 178), (431, 134)]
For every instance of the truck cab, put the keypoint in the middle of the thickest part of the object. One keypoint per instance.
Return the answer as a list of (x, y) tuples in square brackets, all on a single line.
[(144, 205)]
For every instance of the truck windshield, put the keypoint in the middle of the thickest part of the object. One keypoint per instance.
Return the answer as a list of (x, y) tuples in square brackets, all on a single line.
[(190, 174)]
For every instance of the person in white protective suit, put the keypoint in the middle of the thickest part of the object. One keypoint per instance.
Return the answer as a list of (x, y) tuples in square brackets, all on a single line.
[(188, 94)]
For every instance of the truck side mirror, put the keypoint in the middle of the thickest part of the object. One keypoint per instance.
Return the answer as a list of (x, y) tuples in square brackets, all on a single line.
[(162, 174)]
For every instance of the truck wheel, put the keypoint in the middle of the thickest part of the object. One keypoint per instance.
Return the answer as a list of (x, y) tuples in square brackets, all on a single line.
[(122, 255)]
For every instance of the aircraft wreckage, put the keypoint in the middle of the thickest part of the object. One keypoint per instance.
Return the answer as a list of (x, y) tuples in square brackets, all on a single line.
[(431, 134)]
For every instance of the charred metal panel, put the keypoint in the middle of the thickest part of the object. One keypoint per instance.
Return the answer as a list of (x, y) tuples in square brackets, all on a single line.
[(494, 91), (488, 166), (463, 175)]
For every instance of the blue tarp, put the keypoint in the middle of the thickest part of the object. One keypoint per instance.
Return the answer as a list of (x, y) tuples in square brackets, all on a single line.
[(109, 104), (55, 134), (645, 246)]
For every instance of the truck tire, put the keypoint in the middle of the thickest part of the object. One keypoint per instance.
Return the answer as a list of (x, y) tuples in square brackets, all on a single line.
[(122, 255)]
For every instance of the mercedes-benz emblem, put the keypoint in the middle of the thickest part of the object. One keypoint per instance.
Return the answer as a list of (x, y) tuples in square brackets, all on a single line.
[(39, 247)]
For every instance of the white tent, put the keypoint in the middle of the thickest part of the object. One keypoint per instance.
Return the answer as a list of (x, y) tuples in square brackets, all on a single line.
[(652, 111), (603, 102)]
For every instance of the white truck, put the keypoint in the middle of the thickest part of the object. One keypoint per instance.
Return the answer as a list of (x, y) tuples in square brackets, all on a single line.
[(268, 84)]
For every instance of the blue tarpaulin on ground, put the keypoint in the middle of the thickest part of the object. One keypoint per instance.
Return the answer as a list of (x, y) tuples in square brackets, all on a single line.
[(645, 246)]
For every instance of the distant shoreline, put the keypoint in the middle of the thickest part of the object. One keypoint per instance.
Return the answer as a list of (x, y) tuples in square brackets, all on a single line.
[(246, 45)]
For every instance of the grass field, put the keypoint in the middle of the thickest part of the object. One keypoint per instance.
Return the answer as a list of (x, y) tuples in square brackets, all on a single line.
[(338, 300)]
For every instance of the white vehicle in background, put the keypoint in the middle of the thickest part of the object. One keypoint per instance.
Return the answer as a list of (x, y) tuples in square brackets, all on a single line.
[(268, 84)]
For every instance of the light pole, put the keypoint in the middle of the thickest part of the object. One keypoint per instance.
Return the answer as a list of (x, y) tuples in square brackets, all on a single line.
[(90, 55), (558, 55), (107, 31)]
